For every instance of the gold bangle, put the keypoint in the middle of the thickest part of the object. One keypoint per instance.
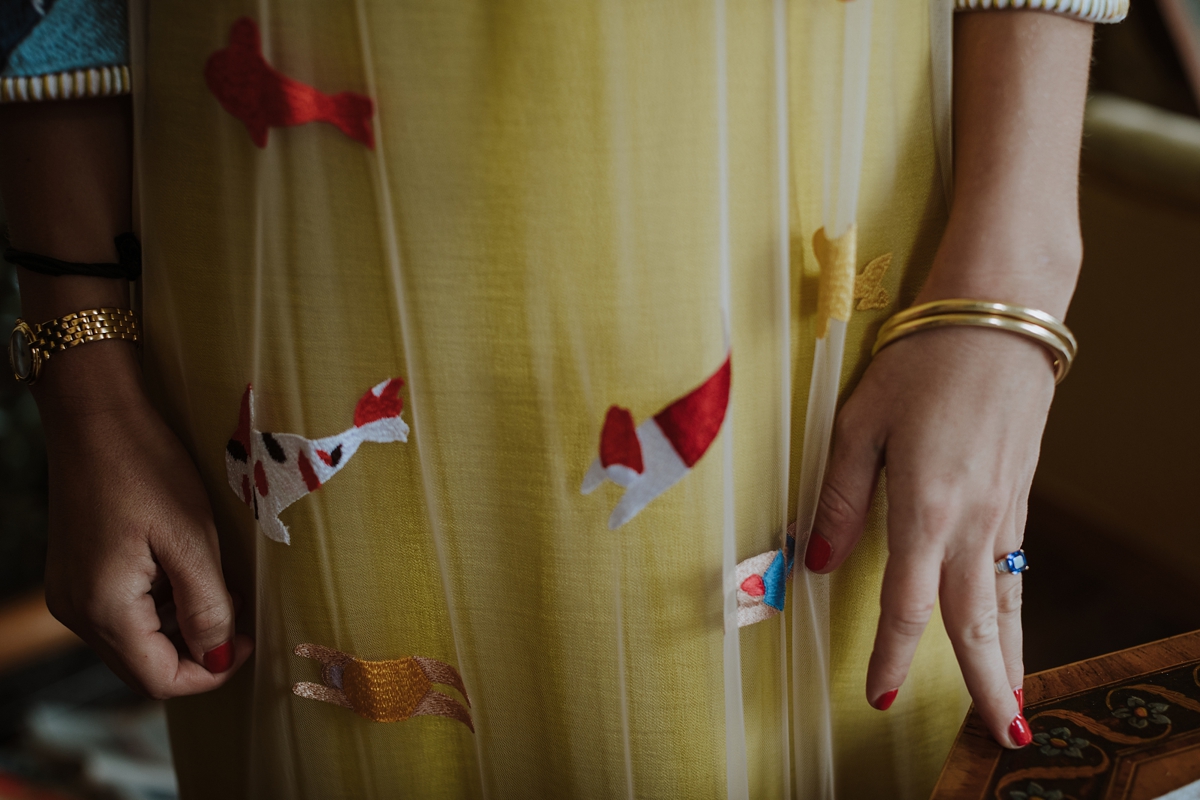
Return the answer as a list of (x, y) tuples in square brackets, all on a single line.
[(990, 308), (1039, 326)]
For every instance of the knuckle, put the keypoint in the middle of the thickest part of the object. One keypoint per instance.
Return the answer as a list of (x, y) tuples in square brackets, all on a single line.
[(834, 509), (909, 620), (934, 513), (212, 617), (982, 629), (989, 513)]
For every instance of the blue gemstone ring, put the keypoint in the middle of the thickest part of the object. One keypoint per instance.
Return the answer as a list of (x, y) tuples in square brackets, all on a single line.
[(1014, 563)]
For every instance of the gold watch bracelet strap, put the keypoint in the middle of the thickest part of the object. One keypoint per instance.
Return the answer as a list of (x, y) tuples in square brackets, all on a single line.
[(1045, 329), (92, 325)]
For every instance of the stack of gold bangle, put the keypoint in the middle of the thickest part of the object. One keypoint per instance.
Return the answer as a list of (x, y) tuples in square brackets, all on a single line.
[(1043, 328)]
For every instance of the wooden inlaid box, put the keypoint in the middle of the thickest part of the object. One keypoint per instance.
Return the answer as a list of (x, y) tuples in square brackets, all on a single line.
[(1124, 726)]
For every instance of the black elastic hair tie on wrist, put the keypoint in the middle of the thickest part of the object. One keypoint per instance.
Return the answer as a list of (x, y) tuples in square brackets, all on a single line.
[(129, 251)]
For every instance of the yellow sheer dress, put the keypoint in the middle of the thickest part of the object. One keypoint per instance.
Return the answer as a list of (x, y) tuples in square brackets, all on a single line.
[(535, 236)]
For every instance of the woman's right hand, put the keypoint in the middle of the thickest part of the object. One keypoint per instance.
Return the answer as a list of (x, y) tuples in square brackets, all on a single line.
[(131, 530)]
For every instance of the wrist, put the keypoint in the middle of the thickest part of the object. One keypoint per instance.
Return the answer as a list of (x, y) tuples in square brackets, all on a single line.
[(1031, 265), (78, 385)]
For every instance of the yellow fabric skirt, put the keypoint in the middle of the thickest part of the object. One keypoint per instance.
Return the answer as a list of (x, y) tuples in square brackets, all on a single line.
[(535, 236)]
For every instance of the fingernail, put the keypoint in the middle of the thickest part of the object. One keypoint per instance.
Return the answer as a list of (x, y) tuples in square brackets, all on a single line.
[(885, 700), (219, 659), (817, 554), (1019, 693), (1018, 731)]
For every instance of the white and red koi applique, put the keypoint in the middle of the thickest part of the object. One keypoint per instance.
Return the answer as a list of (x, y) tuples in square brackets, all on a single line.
[(270, 471), (654, 456)]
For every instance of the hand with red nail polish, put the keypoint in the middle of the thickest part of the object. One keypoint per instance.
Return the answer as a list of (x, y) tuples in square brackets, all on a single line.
[(956, 414), (959, 445), (134, 565), (956, 418)]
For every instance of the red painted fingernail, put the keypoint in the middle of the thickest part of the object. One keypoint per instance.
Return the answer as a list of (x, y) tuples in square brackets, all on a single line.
[(219, 659), (885, 700), (1018, 730), (818, 553), (1019, 693)]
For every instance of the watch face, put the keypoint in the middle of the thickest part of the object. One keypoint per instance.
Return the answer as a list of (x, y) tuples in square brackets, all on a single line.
[(20, 354)]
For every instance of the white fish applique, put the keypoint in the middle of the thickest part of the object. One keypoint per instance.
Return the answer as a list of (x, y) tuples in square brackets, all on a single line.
[(657, 454), (270, 471)]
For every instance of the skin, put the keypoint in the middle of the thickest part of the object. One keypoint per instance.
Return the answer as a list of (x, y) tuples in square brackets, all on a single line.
[(955, 415), (133, 565)]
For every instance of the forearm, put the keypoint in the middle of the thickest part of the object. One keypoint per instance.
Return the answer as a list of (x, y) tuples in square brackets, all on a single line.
[(1020, 82), (65, 174), (127, 507)]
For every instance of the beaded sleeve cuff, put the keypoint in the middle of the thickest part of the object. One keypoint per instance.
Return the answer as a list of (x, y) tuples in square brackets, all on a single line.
[(1102, 11), (63, 49), (70, 85)]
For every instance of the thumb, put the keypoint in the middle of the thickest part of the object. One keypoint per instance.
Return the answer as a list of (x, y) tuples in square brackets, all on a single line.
[(854, 463), (203, 607)]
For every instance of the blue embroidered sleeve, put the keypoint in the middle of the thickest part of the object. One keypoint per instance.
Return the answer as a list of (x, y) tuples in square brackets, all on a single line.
[(63, 49)]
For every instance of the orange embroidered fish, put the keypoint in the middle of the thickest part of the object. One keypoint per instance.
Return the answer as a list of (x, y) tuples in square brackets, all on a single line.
[(262, 97), (270, 471)]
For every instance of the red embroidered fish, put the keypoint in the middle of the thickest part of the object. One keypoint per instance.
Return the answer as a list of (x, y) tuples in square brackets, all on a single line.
[(270, 471), (261, 97), (653, 457)]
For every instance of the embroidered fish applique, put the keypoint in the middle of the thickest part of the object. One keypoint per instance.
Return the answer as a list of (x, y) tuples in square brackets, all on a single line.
[(762, 587), (384, 691), (261, 97), (270, 471), (654, 456)]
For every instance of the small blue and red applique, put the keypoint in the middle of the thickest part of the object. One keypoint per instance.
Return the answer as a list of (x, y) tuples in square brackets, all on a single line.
[(270, 471), (261, 97), (762, 586)]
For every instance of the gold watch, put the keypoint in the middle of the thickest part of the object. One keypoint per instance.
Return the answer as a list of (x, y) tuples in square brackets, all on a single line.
[(30, 346)]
